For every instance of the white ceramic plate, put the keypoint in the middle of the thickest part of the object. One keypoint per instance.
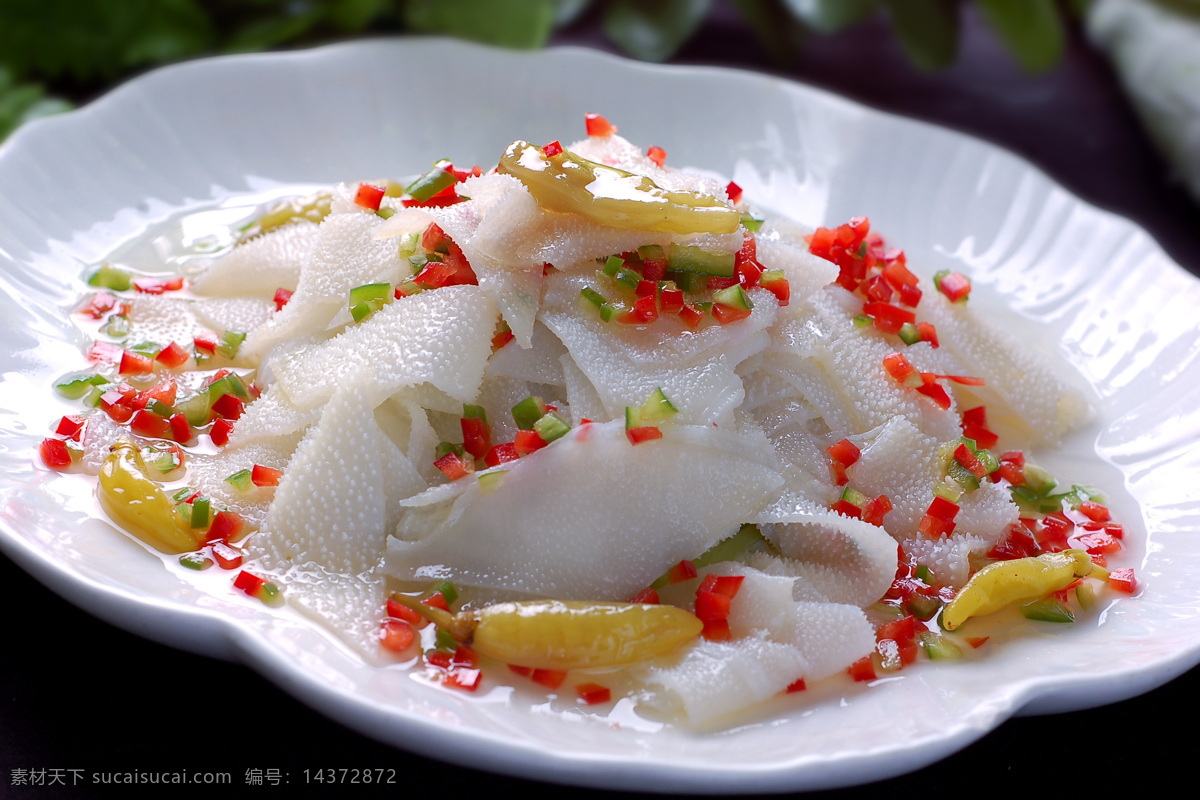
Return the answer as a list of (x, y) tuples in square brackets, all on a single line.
[(1091, 287)]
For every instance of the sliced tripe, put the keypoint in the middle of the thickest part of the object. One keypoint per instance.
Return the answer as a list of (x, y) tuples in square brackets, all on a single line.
[(779, 246), (711, 680), (838, 558), (330, 505), (582, 396), (441, 337), (207, 474), (260, 266), (948, 557), (838, 369), (538, 363), (899, 461), (1023, 394), (270, 416), (352, 606), (344, 255), (242, 314), (633, 511)]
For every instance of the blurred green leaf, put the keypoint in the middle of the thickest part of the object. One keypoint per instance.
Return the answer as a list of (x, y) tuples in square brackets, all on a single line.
[(830, 16), (100, 38), (354, 15), (778, 31), (509, 23), (21, 102), (928, 30), (271, 31), (1032, 30), (653, 30), (567, 11)]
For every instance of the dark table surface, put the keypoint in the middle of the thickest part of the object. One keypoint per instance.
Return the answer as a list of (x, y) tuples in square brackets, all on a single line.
[(79, 694)]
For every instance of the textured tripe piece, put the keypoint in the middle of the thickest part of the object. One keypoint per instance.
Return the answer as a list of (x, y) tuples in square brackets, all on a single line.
[(352, 606), (344, 255), (901, 462), (838, 369), (591, 516), (844, 560), (947, 557), (329, 507), (261, 265), (207, 474), (163, 319), (441, 337), (243, 314), (713, 679), (270, 416), (582, 396), (538, 363), (99, 434), (779, 246), (1023, 394)]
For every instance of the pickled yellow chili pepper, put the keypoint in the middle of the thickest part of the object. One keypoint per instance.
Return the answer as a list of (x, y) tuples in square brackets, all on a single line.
[(140, 506), (313, 208), (562, 634), (1006, 583), (610, 196)]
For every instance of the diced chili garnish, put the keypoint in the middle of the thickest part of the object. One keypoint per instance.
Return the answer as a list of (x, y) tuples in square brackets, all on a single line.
[(727, 314), (369, 196), (969, 461), (135, 363), (172, 356), (593, 693), (1095, 542), (598, 125), (645, 309), (550, 678), (477, 436), (55, 454), (282, 296), (69, 426), (148, 424), (691, 315), (670, 301), (205, 343), (716, 630), (227, 556), (226, 526), (398, 610), (552, 149), (1123, 580), (955, 286), (526, 442), (711, 605), (974, 426), (396, 635), (780, 288), (501, 453), (657, 155), (100, 304), (797, 685), (643, 433), (454, 466), (647, 596), (1018, 542), (875, 510), (156, 286), (265, 476), (219, 432), (249, 583), (734, 192), (901, 370), (228, 406), (939, 518), (1094, 511), (862, 670), (683, 571)]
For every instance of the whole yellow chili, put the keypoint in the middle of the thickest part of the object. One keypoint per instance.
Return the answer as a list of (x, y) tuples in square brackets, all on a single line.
[(562, 634), (139, 505), (1005, 583)]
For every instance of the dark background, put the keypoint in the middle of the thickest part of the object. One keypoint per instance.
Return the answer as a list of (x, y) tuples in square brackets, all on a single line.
[(78, 693)]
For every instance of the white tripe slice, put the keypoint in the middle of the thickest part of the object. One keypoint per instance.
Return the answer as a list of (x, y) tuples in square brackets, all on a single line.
[(901, 462), (842, 560), (948, 557), (625, 363), (668, 342), (800, 439), (272, 415), (99, 434), (838, 369), (352, 606), (582, 396), (1023, 394), (242, 314), (406, 423), (162, 318), (710, 680), (344, 255), (260, 266), (805, 273), (329, 506), (498, 395), (441, 337), (592, 516), (538, 363), (207, 474)]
